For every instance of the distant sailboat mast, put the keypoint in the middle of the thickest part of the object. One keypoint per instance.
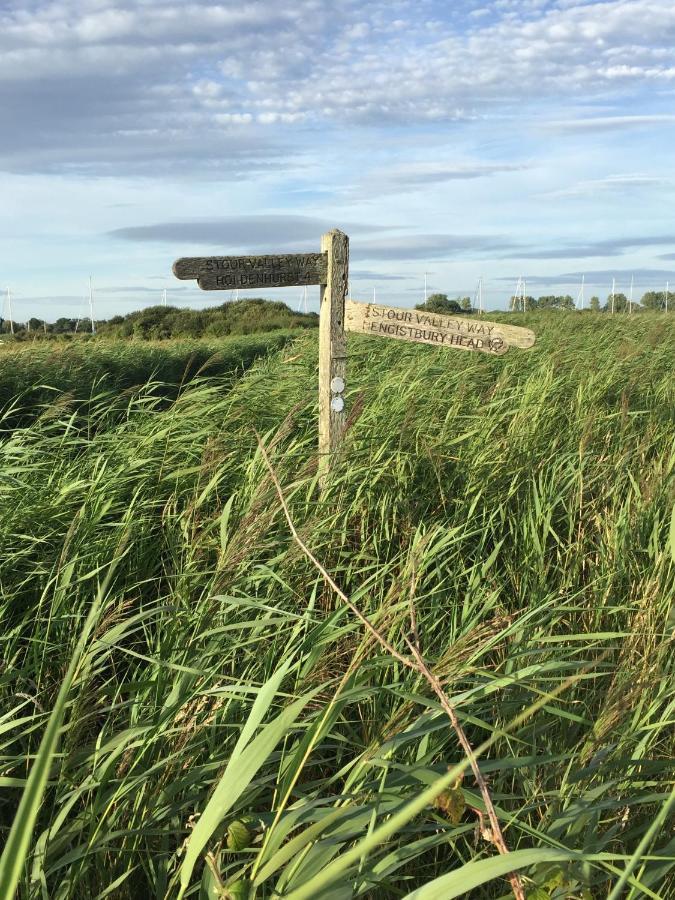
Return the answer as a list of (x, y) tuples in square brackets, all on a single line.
[(9, 309), (91, 307), (302, 305), (613, 290), (519, 298)]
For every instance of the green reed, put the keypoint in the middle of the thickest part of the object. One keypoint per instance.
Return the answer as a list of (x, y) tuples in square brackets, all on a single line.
[(188, 710)]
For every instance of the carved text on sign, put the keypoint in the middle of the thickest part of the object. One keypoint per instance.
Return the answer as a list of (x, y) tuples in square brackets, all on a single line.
[(430, 336), (428, 319), (433, 328), (215, 264), (223, 273), (255, 279)]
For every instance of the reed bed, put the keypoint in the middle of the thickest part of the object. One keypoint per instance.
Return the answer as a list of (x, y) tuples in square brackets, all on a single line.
[(188, 710), (78, 373)]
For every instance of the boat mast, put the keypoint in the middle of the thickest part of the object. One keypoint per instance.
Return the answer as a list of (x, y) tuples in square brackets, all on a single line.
[(9, 308), (91, 307)]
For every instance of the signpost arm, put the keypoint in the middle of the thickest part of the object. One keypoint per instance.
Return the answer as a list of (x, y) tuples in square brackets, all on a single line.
[(332, 348)]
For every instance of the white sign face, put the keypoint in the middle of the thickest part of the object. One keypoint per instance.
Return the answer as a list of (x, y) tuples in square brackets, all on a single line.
[(337, 385), (337, 404)]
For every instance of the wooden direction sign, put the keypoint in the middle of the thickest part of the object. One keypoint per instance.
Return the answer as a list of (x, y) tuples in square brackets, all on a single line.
[(412, 325), (456, 332), (226, 273), (329, 269)]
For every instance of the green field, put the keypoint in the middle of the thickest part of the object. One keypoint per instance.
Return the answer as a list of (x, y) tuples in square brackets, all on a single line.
[(201, 715), (80, 374)]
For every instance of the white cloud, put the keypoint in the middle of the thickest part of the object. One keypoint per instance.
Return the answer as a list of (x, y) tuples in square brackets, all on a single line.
[(305, 62), (610, 123), (454, 118), (233, 118), (418, 175), (273, 118), (619, 184)]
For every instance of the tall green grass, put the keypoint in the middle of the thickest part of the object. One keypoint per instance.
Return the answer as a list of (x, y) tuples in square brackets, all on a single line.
[(80, 373), (220, 726)]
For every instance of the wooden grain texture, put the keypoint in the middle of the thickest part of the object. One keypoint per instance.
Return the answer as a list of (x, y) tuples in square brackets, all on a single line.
[(228, 272), (421, 327), (332, 347)]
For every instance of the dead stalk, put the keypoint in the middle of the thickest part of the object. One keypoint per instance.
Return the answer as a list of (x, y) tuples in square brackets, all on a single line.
[(418, 665), (495, 836)]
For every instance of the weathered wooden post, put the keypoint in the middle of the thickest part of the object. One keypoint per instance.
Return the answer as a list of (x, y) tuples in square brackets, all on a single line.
[(332, 348), (330, 269)]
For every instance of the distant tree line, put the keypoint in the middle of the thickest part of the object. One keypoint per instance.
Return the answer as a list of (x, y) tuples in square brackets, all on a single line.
[(258, 315), (440, 303), (652, 300), (164, 322)]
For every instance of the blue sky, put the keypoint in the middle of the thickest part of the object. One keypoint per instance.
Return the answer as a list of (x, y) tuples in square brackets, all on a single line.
[(515, 138)]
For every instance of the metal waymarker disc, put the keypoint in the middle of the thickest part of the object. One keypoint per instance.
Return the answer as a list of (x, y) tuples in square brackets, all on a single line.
[(337, 385), (337, 404)]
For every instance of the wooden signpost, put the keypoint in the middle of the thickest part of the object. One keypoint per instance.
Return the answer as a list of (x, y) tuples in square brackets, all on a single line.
[(330, 270)]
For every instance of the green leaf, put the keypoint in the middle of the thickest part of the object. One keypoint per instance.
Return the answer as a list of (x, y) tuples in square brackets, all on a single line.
[(16, 848), (238, 836), (330, 873), (211, 887), (238, 890), (641, 849), (262, 703), (294, 846), (460, 882), (240, 771), (452, 804)]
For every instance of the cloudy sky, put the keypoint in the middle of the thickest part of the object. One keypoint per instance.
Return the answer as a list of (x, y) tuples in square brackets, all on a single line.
[(511, 138)]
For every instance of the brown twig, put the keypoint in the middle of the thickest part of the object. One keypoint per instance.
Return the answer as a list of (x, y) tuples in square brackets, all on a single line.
[(496, 837), (370, 628), (418, 665)]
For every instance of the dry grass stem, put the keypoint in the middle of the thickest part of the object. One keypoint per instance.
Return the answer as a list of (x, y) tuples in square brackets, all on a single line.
[(417, 663)]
